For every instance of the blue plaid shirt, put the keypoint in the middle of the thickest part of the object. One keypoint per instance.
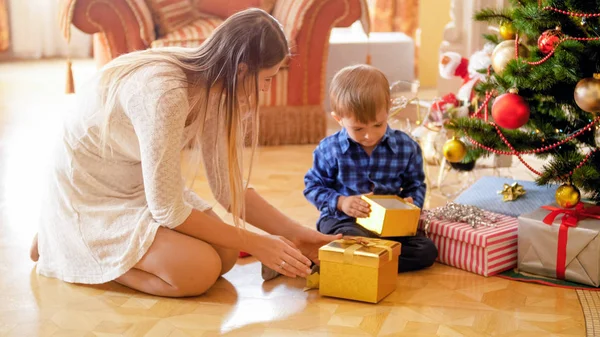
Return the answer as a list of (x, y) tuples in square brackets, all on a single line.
[(342, 167)]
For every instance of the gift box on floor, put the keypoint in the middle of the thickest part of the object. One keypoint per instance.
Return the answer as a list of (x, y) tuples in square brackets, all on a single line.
[(561, 243), (390, 216), (357, 268), (484, 194), (472, 239)]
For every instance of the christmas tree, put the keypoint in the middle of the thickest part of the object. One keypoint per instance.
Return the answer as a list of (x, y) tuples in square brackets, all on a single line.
[(541, 95)]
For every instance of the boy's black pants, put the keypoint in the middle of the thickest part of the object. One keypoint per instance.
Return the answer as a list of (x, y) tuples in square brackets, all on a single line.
[(417, 252)]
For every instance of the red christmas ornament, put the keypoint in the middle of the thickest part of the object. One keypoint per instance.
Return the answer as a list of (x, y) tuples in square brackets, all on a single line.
[(549, 39), (510, 111)]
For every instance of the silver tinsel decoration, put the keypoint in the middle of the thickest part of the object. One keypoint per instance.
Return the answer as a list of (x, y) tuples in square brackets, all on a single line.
[(468, 214)]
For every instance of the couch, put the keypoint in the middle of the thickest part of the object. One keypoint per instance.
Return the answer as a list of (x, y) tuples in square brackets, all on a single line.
[(292, 111)]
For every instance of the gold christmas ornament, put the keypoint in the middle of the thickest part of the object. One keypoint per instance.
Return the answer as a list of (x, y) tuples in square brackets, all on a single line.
[(587, 94), (512, 192), (567, 196), (503, 53), (454, 150), (507, 30)]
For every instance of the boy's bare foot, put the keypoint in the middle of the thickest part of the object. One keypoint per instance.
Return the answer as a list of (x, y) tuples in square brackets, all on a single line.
[(33, 251)]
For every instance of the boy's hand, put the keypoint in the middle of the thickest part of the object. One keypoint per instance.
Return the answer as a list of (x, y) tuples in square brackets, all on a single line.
[(354, 206), (409, 200)]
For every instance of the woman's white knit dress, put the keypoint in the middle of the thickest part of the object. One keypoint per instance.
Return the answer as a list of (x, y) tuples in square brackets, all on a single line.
[(100, 216)]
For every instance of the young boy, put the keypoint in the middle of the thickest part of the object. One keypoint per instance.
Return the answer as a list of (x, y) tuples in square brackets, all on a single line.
[(365, 157)]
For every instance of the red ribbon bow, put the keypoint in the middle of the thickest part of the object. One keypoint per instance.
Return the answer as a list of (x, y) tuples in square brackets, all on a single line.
[(570, 219), (571, 216)]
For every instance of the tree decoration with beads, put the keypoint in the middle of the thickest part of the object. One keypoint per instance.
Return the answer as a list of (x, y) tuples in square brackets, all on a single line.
[(549, 40), (552, 53)]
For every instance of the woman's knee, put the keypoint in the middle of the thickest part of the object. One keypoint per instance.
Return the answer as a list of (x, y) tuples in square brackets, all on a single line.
[(200, 275), (228, 256), (188, 266), (228, 259)]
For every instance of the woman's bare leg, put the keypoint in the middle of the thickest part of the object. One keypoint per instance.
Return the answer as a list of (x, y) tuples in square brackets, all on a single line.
[(228, 256), (176, 265), (33, 250)]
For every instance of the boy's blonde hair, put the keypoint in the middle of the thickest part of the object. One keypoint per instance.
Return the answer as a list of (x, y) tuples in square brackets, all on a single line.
[(359, 91)]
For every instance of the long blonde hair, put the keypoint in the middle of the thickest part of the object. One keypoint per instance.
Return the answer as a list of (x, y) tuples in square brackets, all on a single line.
[(251, 37)]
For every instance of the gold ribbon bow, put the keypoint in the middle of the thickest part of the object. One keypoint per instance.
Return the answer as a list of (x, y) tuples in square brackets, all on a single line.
[(512, 192), (357, 242)]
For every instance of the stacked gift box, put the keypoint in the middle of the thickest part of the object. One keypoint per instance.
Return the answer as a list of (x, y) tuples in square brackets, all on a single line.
[(561, 243), (529, 232), (496, 225), (366, 269), (484, 194), (471, 239), (478, 232)]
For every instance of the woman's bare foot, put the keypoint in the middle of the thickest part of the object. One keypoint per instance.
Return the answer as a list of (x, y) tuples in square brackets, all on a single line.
[(33, 251)]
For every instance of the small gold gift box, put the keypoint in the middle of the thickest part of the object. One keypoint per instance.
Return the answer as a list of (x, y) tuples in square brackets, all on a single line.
[(390, 216), (358, 268)]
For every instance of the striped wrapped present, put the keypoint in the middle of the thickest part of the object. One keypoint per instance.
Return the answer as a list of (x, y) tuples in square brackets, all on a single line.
[(484, 247)]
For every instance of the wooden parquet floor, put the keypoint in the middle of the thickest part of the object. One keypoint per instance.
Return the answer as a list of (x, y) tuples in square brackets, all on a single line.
[(440, 301)]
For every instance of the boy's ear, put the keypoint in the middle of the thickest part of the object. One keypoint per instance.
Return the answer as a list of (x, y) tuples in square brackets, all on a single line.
[(336, 117)]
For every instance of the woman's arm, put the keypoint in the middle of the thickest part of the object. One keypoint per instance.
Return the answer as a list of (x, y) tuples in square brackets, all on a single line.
[(263, 215), (270, 250)]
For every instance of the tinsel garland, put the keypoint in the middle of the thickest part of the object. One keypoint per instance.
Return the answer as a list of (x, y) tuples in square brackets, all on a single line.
[(467, 214)]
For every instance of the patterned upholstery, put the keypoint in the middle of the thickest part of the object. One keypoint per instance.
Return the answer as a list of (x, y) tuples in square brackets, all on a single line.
[(138, 8), (291, 15), (190, 35), (170, 15), (225, 8), (292, 111)]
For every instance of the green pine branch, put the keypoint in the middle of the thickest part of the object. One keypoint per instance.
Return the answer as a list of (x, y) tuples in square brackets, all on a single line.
[(493, 15), (492, 38)]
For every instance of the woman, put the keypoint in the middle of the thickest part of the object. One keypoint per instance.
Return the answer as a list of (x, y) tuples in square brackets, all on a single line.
[(117, 206)]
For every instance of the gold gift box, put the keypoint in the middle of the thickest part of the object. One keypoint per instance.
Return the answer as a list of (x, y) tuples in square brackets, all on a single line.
[(358, 268), (390, 216)]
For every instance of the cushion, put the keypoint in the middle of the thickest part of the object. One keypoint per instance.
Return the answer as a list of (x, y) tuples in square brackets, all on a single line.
[(226, 8), (170, 15), (191, 35)]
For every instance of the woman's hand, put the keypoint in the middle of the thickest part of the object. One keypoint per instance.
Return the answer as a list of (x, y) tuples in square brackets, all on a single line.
[(279, 254), (309, 241)]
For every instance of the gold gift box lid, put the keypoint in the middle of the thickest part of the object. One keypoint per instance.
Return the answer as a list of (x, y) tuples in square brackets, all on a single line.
[(369, 252), (390, 216)]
